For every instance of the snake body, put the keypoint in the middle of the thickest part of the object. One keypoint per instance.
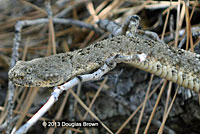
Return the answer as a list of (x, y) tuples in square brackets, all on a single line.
[(174, 64)]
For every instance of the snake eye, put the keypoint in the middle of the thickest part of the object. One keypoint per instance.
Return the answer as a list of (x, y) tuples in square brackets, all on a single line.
[(29, 70)]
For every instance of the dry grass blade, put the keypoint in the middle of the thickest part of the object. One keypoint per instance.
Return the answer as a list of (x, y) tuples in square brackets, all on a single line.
[(177, 23), (34, 6), (106, 11), (27, 115), (165, 25), (78, 94), (87, 39), (59, 113), (89, 111), (182, 15), (154, 108), (52, 41), (22, 97), (29, 100), (25, 49), (68, 130), (92, 11), (144, 104), (160, 131), (95, 96), (188, 29), (168, 98), (138, 108), (52, 35)]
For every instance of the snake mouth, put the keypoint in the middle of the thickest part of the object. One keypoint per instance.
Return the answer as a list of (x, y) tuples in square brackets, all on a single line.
[(20, 78), (17, 82), (23, 81), (25, 84)]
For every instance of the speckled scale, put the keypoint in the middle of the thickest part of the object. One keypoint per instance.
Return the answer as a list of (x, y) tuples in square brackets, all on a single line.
[(177, 65)]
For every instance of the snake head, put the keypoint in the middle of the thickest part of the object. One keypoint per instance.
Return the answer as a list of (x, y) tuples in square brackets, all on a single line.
[(40, 72)]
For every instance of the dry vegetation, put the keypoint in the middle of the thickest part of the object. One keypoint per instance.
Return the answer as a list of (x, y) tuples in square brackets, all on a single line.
[(118, 98)]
